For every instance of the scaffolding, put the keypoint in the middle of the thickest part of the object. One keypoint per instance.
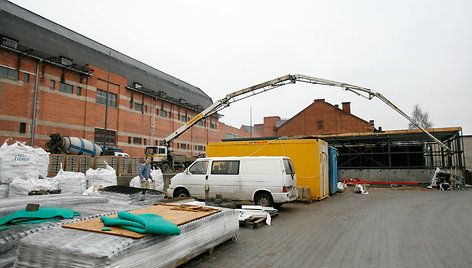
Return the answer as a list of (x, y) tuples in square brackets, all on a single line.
[(402, 149)]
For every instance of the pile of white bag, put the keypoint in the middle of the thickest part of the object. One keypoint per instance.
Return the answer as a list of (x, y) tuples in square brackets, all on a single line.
[(21, 167), (71, 182), (157, 182), (99, 178)]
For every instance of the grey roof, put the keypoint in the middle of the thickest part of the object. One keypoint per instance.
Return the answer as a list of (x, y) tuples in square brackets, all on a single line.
[(51, 39)]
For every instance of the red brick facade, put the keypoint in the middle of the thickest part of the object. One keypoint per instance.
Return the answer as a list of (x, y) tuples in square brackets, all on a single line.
[(320, 118), (78, 114)]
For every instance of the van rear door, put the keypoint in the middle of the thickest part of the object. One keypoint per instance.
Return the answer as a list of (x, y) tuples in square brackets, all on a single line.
[(290, 176)]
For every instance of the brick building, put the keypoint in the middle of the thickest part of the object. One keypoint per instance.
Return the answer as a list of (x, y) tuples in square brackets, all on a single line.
[(318, 118), (54, 80)]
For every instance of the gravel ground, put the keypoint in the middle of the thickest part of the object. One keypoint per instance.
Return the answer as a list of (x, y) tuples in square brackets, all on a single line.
[(386, 228)]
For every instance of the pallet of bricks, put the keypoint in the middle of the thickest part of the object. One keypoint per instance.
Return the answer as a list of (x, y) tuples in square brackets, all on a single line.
[(81, 163), (75, 163)]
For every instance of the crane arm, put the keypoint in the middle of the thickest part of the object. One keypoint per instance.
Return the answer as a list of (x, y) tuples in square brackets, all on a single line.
[(290, 79)]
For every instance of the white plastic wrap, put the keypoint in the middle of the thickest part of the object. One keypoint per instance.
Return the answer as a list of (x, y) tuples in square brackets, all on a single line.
[(87, 206), (75, 248), (4, 188), (101, 176), (71, 182), (19, 160)]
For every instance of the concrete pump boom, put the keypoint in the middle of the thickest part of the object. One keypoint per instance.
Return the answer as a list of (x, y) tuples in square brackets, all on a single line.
[(284, 80)]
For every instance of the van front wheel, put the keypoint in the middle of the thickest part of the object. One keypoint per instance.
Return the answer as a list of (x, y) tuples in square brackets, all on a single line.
[(264, 200), (181, 193)]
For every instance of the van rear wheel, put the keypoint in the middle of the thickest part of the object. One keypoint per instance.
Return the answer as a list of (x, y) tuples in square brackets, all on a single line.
[(264, 200)]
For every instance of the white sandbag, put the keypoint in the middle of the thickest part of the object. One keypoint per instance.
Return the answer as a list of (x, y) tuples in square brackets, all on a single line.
[(158, 178), (93, 190), (18, 159), (21, 187), (157, 182), (71, 182), (135, 182), (340, 187), (103, 176)]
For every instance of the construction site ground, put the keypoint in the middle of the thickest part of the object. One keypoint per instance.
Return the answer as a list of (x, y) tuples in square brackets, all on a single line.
[(385, 228)]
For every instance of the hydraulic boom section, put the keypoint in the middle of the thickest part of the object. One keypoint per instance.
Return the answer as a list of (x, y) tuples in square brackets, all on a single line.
[(290, 79)]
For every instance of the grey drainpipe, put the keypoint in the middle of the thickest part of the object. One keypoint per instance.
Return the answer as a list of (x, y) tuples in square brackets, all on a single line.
[(33, 121)]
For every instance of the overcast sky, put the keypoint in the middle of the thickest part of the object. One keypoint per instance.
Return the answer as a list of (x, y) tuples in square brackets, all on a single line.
[(413, 52)]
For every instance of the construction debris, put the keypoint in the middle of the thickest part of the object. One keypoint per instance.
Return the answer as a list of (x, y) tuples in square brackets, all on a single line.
[(254, 216)]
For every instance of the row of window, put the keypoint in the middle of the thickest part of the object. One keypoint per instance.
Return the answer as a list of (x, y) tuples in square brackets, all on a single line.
[(64, 87), (9, 73), (186, 146)]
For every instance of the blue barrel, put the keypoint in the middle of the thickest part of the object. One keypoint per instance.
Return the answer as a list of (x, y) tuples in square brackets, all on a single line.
[(333, 169)]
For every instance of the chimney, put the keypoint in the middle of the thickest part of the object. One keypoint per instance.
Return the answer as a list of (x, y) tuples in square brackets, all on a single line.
[(347, 107), (319, 100), (371, 125)]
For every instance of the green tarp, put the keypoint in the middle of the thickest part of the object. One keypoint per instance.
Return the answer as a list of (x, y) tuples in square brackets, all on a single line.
[(41, 215), (143, 223)]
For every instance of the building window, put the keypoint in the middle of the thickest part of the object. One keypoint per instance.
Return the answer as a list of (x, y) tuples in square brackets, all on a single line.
[(100, 136), (65, 87), (169, 114), (156, 142), (145, 108), (8, 73), (26, 78), (157, 111), (129, 140), (53, 84), (138, 106), (22, 127), (212, 125), (145, 142), (79, 91), (137, 141), (131, 104), (163, 113), (319, 124), (183, 118), (102, 96)]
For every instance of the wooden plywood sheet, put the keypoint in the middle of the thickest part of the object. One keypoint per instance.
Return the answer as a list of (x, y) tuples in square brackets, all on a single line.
[(178, 214)]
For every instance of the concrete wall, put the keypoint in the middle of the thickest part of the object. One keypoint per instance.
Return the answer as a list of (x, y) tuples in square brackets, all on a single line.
[(388, 175), (468, 150)]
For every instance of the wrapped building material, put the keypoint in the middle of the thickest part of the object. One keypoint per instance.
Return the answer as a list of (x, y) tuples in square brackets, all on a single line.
[(76, 248), (89, 207)]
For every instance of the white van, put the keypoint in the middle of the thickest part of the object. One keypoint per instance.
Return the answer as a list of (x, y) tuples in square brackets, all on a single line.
[(267, 180)]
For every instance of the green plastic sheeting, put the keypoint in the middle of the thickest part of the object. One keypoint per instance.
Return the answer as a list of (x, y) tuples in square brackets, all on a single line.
[(41, 215), (143, 223)]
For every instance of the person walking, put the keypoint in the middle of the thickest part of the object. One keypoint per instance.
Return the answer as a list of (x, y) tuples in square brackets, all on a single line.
[(145, 173)]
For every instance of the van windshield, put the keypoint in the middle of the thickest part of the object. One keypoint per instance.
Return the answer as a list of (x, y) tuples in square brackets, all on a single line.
[(289, 169)]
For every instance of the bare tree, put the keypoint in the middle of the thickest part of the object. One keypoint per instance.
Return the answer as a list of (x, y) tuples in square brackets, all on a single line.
[(421, 118)]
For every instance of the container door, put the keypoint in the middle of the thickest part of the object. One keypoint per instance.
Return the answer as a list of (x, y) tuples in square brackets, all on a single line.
[(324, 180), (224, 179), (196, 179)]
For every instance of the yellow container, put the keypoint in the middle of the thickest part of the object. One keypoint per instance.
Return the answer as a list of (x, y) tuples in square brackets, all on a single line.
[(309, 156)]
